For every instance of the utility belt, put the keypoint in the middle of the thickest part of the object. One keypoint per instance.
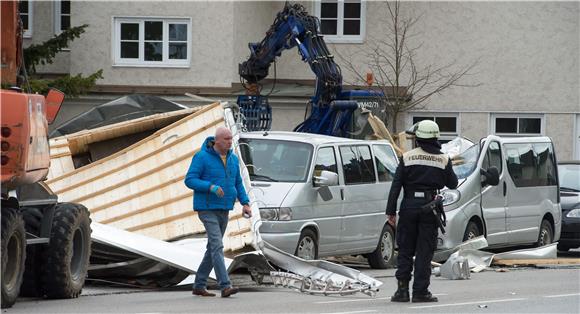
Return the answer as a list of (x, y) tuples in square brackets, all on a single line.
[(428, 195)]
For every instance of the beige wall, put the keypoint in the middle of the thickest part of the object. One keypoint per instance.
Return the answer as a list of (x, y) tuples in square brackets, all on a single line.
[(212, 40), (560, 128)]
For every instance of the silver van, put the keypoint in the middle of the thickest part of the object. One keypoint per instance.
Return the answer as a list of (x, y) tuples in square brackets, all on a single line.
[(508, 192), (322, 196)]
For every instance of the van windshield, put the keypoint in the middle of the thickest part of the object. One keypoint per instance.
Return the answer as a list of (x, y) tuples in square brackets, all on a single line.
[(276, 161), (464, 164)]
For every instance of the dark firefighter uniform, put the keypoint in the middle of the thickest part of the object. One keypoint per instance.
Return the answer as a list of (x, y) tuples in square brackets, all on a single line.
[(421, 172)]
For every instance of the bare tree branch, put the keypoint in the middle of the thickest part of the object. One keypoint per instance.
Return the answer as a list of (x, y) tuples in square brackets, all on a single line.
[(392, 58)]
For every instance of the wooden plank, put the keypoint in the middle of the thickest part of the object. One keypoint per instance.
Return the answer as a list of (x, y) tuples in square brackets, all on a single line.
[(551, 261), (107, 159)]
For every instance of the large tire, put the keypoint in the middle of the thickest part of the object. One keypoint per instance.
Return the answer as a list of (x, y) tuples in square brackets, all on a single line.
[(384, 255), (471, 231), (307, 247), (546, 235), (31, 286), (13, 255), (66, 258)]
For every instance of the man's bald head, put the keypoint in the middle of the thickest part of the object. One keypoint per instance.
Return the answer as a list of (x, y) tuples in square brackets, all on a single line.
[(223, 140), (222, 132)]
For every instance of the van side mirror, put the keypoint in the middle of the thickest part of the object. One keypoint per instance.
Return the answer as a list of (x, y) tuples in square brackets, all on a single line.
[(490, 176), (53, 101), (326, 178)]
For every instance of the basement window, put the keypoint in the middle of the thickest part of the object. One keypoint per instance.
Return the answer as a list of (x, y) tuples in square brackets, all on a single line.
[(517, 125), (151, 42)]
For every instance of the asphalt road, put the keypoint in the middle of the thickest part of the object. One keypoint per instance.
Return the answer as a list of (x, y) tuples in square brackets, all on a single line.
[(517, 290)]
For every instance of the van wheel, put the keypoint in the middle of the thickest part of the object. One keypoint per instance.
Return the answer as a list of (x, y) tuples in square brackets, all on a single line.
[(546, 234), (307, 245), (383, 256), (13, 255), (471, 231)]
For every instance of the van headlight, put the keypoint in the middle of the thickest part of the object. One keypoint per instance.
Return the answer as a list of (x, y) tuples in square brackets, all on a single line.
[(574, 213), (276, 213), (450, 197)]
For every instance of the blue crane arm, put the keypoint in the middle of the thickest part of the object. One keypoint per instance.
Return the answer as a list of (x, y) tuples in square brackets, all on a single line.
[(293, 27), (332, 110)]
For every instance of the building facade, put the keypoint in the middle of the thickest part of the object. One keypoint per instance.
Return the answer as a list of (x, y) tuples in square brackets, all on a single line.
[(526, 81)]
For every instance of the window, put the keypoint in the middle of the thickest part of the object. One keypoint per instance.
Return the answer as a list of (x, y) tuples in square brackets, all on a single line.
[(342, 21), (531, 164), (273, 161), (517, 125), (25, 10), (326, 160), (152, 42), (447, 125), (357, 165), (61, 16), (386, 162), (493, 157)]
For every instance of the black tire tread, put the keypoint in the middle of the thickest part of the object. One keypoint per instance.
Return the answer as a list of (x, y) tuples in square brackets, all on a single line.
[(31, 283), (12, 222), (57, 282), (375, 259)]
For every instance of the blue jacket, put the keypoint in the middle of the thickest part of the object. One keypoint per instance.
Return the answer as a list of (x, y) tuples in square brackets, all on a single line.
[(206, 169)]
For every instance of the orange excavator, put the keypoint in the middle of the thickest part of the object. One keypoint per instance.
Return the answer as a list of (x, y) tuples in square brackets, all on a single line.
[(45, 244)]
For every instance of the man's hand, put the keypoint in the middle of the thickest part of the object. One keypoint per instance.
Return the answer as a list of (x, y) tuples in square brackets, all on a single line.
[(217, 190), (392, 220), (246, 211)]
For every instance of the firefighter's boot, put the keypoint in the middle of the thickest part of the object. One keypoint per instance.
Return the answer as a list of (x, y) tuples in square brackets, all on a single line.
[(423, 297), (402, 293)]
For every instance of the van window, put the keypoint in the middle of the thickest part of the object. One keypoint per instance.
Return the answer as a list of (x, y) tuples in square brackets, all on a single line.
[(493, 157), (325, 160), (531, 164), (272, 160), (357, 164), (386, 162)]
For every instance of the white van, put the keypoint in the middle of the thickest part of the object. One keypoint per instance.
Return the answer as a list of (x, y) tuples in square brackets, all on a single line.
[(322, 196), (508, 192)]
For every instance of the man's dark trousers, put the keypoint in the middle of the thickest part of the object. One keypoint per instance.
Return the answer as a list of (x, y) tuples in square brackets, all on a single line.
[(416, 236)]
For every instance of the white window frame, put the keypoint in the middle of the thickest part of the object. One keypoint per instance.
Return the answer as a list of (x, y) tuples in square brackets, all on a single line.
[(447, 136), (57, 16), (116, 44), (345, 39), (28, 32), (494, 116)]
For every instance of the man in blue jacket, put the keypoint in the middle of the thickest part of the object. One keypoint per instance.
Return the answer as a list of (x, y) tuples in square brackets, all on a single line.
[(214, 176)]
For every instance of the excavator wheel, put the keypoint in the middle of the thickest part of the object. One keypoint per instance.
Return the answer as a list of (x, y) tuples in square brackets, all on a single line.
[(31, 283), (13, 255), (66, 259)]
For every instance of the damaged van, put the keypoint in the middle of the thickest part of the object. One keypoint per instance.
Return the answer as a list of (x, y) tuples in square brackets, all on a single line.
[(322, 196), (508, 192)]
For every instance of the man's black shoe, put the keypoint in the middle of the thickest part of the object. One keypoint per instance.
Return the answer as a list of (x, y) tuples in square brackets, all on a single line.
[(423, 297), (229, 291)]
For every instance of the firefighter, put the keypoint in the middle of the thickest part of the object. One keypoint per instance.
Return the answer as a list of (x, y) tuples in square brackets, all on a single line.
[(421, 173)]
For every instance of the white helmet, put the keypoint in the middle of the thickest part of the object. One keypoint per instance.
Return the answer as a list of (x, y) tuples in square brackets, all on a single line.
[(427, 129)]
